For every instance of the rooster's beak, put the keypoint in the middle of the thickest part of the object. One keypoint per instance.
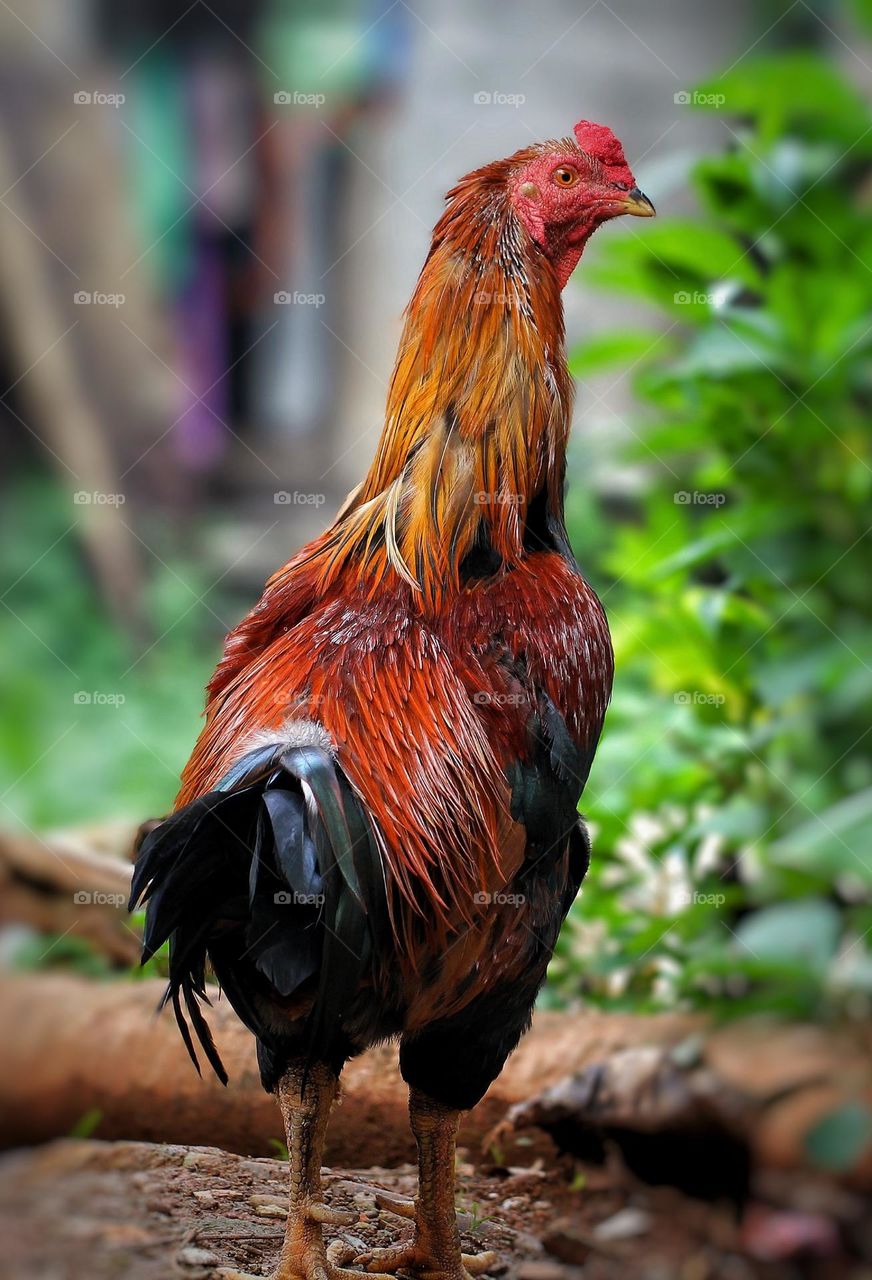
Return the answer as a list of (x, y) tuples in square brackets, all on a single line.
[(637, 204)]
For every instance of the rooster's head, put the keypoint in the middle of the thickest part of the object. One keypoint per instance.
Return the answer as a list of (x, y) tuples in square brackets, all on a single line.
[(562, 191)]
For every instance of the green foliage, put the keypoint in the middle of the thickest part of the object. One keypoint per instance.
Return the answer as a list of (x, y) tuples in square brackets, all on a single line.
[(60, 951), (117, 751), (731, 800), (87, 1125)]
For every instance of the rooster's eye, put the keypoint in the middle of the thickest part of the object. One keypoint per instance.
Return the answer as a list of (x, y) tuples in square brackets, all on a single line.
[(565, 176)]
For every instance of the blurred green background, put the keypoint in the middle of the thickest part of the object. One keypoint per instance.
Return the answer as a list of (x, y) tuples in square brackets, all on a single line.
[(726, 525)]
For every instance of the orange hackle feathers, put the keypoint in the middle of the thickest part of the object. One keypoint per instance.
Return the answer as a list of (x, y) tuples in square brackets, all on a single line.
[(478, 405)]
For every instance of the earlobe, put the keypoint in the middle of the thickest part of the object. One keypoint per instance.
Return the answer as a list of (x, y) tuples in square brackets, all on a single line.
[(530, 212), (527, 200)]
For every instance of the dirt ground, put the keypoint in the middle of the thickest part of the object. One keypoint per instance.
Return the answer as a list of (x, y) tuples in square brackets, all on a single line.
[(86, 1210)]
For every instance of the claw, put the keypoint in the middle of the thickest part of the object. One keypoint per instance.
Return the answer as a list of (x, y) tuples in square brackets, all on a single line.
[(394, 1204), (409, 1257), (477, 1263), (317, 1212)]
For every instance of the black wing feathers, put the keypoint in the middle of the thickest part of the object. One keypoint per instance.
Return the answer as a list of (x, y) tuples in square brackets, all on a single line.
[(276, 872)]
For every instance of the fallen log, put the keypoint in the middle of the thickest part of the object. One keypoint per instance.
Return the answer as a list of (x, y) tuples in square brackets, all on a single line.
[(71, 882), (80, 1047)]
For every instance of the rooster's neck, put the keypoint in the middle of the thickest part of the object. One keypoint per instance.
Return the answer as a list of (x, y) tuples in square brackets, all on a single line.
[(477, 415)]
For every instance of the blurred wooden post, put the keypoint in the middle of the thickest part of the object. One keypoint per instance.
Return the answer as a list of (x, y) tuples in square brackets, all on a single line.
[(69, 425)]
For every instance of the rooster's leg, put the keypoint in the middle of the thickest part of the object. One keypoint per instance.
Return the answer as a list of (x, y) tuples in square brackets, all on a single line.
[(306, 1113), (434, 1253)]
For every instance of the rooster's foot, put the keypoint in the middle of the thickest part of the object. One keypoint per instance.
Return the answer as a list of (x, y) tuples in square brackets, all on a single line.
[(427, 1265), (313, 1262)]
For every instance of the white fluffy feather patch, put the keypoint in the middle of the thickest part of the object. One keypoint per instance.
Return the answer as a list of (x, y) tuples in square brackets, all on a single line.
[(293, 733)]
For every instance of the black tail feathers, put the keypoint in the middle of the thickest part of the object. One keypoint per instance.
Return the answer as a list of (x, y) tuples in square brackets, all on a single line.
[(275, 877)]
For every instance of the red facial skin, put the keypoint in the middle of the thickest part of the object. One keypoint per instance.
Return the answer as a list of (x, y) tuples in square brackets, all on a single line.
[(561, 218)]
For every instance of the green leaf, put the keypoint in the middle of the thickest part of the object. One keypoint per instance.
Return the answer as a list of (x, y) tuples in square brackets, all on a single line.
[(837, 840), (804, 931), (86, 1126), (791, 91)]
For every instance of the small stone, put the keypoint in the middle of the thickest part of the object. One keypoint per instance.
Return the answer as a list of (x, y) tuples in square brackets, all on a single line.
[(204, 1160), (623, 1225), (565, 1240), (513, 1203), (540, 1271), (192, 1257)]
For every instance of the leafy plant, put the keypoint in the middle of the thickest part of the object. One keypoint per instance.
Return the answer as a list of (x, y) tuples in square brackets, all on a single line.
[(732, 795), (93, 727)]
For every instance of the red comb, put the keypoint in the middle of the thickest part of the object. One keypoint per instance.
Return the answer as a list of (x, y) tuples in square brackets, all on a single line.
[(599, 141)]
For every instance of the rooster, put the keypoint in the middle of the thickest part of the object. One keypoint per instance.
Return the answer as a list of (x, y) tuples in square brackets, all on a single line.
[(377, 833)]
